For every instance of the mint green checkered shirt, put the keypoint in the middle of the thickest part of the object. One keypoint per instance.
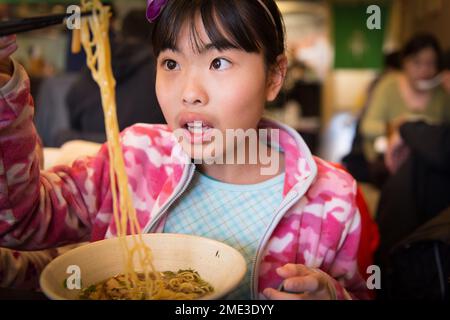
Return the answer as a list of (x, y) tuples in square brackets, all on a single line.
[(237, 215)]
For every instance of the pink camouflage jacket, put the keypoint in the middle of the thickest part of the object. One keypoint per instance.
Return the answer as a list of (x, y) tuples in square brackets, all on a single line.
[(317, 224)]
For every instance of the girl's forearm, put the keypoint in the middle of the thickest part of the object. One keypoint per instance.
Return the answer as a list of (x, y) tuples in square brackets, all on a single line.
[(38, 209)]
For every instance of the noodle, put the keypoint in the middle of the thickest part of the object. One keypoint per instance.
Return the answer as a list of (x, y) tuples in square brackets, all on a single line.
[(148, 283), (76, 41), (183, 285)]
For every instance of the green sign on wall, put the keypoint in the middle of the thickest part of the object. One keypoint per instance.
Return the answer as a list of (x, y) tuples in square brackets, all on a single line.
[(357, 46)]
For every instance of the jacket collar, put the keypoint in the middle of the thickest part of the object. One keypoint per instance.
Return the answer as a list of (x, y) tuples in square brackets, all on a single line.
[(300, 167), (300, 171)]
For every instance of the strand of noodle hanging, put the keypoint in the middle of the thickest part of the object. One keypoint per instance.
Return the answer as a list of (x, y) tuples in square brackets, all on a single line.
[(185, 284), (95, 40)]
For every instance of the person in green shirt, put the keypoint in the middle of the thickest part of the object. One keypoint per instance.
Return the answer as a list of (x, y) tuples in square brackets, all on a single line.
[(407, 95)]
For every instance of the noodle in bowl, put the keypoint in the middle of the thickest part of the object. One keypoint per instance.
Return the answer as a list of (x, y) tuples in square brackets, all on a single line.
[(216, 263)]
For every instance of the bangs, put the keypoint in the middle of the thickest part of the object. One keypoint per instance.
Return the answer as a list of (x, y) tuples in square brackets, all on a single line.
[(216, 16)]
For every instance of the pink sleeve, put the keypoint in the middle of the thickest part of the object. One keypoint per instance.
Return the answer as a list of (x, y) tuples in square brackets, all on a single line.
[(344, 270), (41, 209)]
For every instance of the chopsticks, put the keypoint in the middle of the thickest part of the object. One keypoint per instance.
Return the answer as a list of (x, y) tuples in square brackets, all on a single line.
[(27, 24)]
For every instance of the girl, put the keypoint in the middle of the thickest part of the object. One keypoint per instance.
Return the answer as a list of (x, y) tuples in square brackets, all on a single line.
[(218, 62)]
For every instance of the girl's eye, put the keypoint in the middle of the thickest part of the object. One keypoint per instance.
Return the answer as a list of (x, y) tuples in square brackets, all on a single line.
[(170, 64), (220, 64)]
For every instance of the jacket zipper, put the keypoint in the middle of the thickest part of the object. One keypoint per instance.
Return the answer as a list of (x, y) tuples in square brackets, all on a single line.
[(293, 197), (178, 193)]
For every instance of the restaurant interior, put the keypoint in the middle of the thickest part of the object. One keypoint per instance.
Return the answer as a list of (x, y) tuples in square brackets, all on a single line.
[(340, 52)]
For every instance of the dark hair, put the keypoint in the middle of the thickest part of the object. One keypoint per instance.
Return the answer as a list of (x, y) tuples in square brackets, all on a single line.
[(420, 42), (229, 24), (135, 25), (393, 60)]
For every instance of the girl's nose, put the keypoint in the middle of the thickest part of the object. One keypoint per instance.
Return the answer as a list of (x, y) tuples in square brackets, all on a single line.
[(194, 93)]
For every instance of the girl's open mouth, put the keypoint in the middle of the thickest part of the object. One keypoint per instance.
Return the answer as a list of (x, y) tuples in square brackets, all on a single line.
[(198, 132)]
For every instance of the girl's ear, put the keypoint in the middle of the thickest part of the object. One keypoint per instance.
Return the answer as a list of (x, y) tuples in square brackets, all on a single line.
[(275, 80)]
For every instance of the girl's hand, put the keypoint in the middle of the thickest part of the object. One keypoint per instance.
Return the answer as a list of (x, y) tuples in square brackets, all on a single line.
[(8, 46), (302, 283)]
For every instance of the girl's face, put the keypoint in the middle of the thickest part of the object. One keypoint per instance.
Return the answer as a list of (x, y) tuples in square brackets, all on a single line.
[(421, 66), (218, 89)]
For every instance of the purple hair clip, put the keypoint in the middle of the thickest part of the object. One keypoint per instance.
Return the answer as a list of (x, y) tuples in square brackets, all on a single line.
[(154, 8)]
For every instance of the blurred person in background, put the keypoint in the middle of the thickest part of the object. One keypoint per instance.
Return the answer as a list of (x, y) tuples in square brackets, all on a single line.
[(134, 70), (356, 162), (133, 66), (406, 95), (414, 210), (51, 111)]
